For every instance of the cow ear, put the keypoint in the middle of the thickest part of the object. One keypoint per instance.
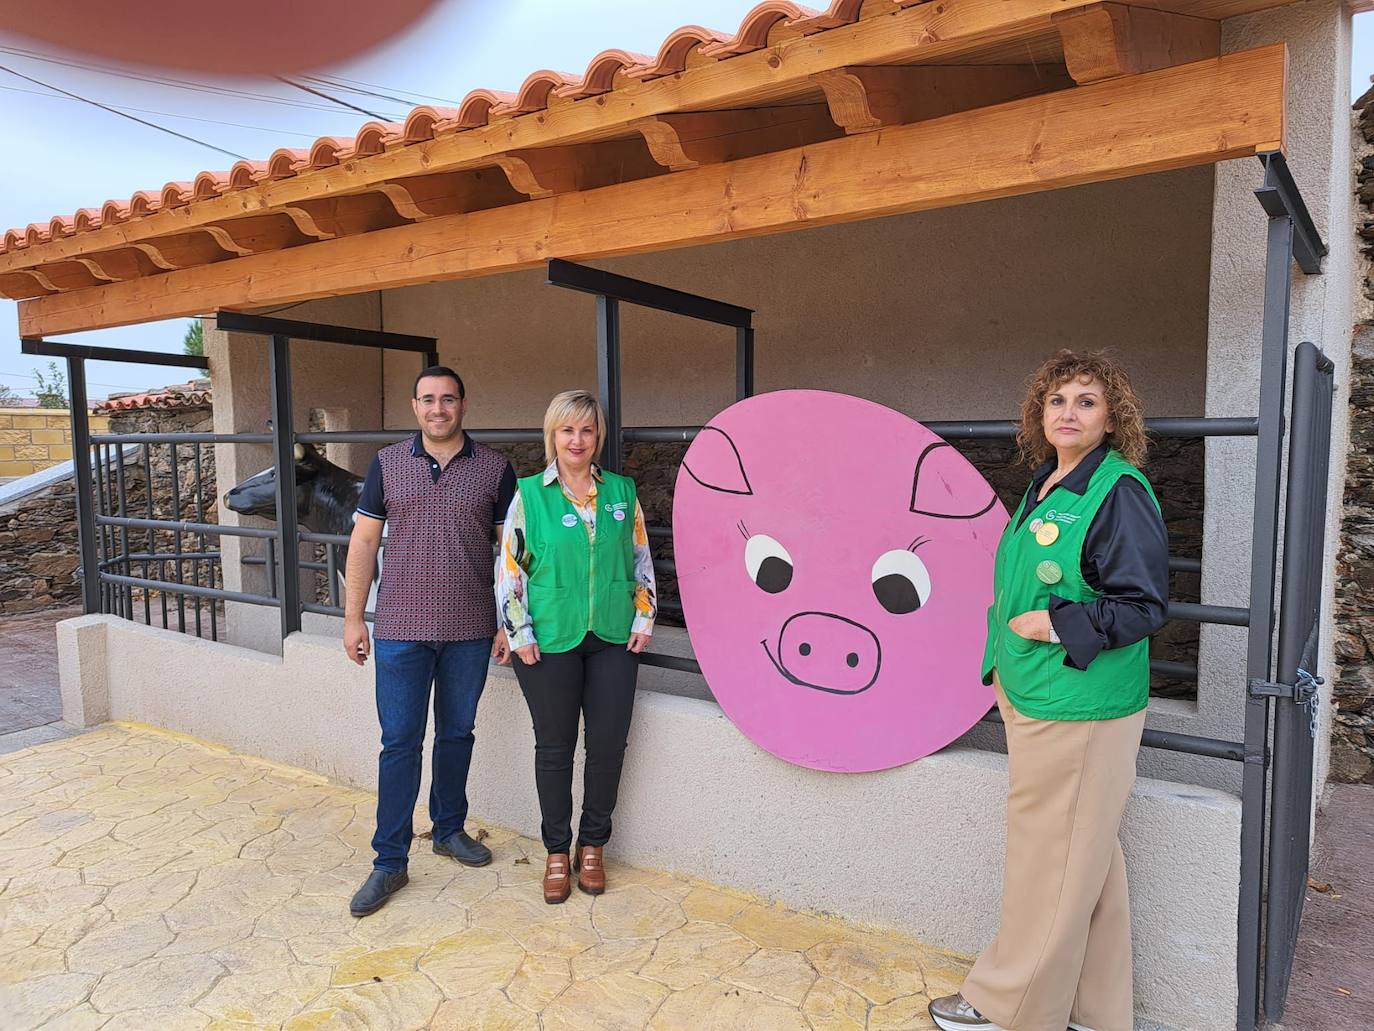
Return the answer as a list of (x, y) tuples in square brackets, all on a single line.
[(714, 462), (946, 486)]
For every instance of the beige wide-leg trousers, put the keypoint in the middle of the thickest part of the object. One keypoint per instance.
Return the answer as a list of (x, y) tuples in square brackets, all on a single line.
[(1064, 948)]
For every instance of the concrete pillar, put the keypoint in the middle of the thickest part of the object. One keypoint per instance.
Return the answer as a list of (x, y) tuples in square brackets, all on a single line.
[(82, 670)]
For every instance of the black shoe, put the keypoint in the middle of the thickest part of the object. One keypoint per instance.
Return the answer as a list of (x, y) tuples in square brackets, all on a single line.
[(379, 886), (463, 848)]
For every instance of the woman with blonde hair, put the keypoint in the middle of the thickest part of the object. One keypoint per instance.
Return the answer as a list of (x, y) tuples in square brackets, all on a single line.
[(575, 590), (1080, 583)]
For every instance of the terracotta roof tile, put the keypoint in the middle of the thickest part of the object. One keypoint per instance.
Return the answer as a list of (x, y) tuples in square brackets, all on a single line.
[(476, 110), (181, 395)]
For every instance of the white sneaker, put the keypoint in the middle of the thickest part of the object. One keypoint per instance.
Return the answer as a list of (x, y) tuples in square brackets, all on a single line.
[(955, 1013)]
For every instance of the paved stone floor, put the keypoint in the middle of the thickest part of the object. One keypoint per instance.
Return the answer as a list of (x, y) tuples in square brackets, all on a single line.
[(1333, 970), (152, 882), (30, 702)]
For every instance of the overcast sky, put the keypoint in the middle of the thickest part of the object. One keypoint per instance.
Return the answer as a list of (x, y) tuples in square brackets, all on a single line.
[(65, 155)]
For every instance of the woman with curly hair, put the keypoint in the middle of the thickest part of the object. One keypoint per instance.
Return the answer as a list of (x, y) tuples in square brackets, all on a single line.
[(1080, 583)]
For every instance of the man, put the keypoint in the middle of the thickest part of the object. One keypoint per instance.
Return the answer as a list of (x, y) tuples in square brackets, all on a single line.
[(442, 497)]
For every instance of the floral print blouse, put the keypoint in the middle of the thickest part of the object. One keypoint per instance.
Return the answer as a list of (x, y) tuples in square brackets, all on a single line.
[(512, 565)]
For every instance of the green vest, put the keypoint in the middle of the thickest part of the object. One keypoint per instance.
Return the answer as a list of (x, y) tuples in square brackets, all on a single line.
[(575, 586), (1032, 673)]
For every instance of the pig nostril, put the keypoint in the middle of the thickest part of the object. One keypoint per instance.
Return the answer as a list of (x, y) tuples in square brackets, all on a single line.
[(804, 648), (852, 659)]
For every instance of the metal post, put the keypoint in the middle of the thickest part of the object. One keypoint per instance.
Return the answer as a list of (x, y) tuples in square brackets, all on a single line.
[(81, 465), (1263, 560), (744, 362), (178, 516), (608, 379), (284, 447)]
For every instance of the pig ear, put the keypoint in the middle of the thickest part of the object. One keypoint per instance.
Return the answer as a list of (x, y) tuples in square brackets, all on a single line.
[(947, 487), (714, 462)]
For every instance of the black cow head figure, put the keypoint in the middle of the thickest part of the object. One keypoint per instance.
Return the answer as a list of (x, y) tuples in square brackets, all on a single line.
[(326, 494)]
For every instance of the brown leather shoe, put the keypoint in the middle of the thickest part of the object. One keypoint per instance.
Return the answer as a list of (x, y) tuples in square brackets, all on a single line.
[(557, 880), (591, 872)]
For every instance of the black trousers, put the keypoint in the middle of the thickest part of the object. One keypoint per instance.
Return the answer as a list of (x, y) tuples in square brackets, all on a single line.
[(595, 680)]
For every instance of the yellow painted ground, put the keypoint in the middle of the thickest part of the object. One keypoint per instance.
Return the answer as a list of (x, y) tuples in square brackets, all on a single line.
[(150, 881)]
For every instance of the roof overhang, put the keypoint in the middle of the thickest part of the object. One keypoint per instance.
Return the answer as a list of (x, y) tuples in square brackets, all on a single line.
[(931, 105)]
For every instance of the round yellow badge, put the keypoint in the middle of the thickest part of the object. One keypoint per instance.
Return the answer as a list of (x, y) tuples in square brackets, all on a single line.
[(1047, 534)]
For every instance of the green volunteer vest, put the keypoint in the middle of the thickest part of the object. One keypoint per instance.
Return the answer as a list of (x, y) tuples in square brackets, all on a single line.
[(1032, 673), (575, 586)]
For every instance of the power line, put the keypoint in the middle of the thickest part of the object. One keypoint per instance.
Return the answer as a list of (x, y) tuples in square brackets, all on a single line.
[(335, 100), (354, 89), (339, 79), (158, 80), (167, 114), (121, 114)]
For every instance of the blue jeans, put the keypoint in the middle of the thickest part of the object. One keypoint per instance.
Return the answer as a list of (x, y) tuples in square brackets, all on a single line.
[(405, 670)]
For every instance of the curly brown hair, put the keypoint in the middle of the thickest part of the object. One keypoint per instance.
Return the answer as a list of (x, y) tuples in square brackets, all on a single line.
[(1123, 404)]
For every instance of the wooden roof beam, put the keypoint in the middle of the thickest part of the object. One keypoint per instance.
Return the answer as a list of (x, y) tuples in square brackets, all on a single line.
[(1229, 107), (450, 193), (1106, 40), (680, 141), (862, 99)]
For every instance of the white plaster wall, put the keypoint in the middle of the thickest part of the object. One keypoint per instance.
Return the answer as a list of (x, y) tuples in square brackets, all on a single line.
[(941, 314), (1319, 154), (917, 848)]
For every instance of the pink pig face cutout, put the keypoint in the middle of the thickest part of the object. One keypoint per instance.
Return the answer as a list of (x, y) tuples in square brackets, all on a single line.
[(835, 563)]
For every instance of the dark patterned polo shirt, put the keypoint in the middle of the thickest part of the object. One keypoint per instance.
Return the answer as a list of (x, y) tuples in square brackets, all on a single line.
[(437, 564)]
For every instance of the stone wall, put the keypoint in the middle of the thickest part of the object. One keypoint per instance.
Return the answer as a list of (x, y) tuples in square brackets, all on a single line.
[(1352, 692), (32, 439), (39, 553)]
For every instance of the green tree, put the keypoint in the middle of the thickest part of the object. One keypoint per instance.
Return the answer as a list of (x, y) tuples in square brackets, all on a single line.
[(194, 341), (7, 396), (52, 388)]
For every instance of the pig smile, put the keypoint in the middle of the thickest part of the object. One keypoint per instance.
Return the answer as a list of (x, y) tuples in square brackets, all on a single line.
[(862, 653)]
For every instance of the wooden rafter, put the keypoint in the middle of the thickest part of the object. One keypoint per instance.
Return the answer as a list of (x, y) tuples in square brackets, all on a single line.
[(868, 98), (1199, 113), (679, 141), (1111, 39)]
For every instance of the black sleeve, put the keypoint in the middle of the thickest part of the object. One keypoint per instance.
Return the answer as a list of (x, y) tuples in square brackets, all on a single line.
[(504, 494), (371, 502), (1126, 557)]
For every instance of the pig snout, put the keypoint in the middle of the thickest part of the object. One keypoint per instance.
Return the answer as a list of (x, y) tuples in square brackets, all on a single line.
[(827, 652)]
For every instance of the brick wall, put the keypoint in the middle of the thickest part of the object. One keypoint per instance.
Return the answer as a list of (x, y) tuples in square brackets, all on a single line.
[(31, 439)]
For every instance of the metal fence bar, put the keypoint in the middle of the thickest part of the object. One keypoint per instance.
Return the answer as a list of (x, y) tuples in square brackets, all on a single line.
[(262, 325), (608, 380), (182, 438), (284, 445), (488, 436), (200, 538), (204, 592), (176, 511), (81, 468), (147, 450), (216, 529), (124, 532), (107, 595), (744, 362), (1263, 560), (1167, 740)]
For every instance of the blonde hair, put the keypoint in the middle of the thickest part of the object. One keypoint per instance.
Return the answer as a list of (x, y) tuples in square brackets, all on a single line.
[(566, 407), (1123, 404)]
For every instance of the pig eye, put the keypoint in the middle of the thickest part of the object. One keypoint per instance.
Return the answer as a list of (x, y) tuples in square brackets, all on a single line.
[(768, 563), (900, 582)]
